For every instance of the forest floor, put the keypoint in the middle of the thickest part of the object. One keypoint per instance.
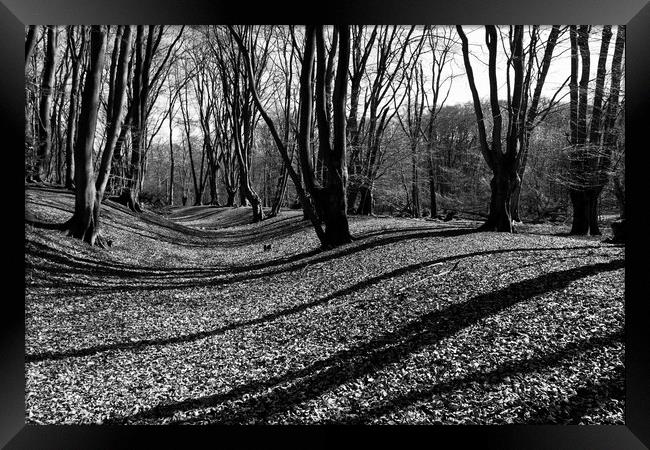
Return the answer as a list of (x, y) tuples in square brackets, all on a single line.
[(186, 319)]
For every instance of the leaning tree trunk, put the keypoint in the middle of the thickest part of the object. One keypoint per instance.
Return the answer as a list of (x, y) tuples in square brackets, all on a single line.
[(45, 107), (84, 223), (246, 191), (245, 186), (305, 122), (280, 190)]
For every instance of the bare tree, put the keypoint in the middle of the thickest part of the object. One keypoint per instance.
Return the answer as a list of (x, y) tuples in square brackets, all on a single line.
[(326, 203), (116, 113), (145, 88), (440, 47), (412, 123), (380, 106), (330, 200), (84, 223), (30, 40), (360, 53), (240, 108), (45, 108), (592, 146), (505, 163), (77, 49)]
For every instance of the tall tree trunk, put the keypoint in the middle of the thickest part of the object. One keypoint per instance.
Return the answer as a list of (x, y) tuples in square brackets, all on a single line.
[(504, 165), (581, 193), (45, 108), (305, 122), (280, 190), (242, 187), (213, 168), (77, 61), (117, 112), (246, 190), (415, 187), (84, 223), (30, 40), (432, 183), (365, 193), (130, 196), (170, 191), (337, 230)]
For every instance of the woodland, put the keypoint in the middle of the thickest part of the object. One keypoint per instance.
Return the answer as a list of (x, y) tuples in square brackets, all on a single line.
[(316, 224)]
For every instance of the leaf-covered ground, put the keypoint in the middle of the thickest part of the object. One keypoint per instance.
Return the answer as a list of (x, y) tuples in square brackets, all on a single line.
[(188, 320)]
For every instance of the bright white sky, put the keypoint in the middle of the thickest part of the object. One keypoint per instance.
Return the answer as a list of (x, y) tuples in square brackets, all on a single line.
[(458, 86), (559, 70)]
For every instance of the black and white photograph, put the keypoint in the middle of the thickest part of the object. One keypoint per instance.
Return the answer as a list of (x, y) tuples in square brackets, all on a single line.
[(325, 224)]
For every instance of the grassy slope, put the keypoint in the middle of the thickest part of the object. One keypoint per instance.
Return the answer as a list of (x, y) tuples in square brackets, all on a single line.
[(415, 322)]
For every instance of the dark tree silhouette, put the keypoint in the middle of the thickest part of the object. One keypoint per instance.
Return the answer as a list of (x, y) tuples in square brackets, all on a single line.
[(507, 164)]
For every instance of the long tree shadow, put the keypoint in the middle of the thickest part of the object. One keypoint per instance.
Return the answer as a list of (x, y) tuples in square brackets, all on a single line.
[(587, 399), (141, 344), (278, 394), (493, 377), (151, 278)]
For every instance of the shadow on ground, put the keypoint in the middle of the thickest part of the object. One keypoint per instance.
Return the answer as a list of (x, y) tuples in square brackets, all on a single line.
[(256, 402)]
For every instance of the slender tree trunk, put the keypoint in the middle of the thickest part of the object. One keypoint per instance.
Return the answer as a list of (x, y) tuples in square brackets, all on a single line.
[(213, 172), (29, 43), (246, 191), (280, 190), (303, 135), (116, 115), (130, 195), (170, 191), (619, 192), (432, 186), (74, 105), (415, 188), (45, 108)]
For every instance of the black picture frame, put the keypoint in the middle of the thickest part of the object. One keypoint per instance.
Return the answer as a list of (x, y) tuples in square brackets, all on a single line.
[(15, 14)]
